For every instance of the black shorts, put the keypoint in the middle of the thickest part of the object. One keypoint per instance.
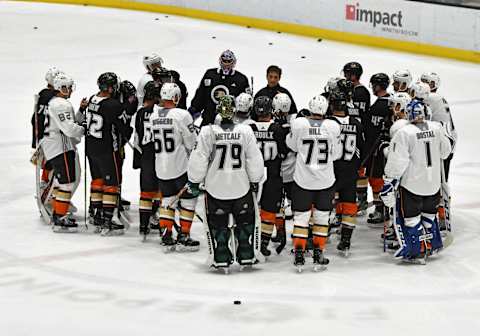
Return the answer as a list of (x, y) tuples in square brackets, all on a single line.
[(302, 199), (346, 186), (287, 189), (106, 167), (172, 187), (242, 209), (413, 205), (376, 165), (148, 177), (63, 167), (272, 194)]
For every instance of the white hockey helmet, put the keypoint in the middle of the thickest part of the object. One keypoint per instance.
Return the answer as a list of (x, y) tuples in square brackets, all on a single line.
[(152, 61), (51, 73), (318, 105), (419, 90), (170, 91), (332, 83), (401, 80), (399, 101), (432, 79), (64, 84), (281, 103), (244, 103)]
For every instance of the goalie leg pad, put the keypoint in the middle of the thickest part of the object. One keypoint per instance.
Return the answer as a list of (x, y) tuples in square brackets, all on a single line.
[(412, 231), (430, 223), (217, 218), (244, 216)]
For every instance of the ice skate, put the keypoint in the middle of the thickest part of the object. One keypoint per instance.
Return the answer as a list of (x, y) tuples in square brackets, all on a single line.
[(186, 244), (319, 261), (111, 228), (64, 224), (299, 259), (168, 242)]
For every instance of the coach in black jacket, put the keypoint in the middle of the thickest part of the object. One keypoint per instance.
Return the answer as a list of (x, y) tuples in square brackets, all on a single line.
[(274, 73)]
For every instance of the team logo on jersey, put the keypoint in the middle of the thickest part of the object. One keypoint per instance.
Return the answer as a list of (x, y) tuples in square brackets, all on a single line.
[(207, 82), (218, 92)]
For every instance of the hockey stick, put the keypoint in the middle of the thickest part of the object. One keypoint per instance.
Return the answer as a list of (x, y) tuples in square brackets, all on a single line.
[(445, 194)]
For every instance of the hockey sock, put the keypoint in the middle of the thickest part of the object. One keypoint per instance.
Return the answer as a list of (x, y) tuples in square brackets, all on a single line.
[(96, 193), (62, 200), (349, 214), (377, 185), (268, 222), (157, 200), (109, 201), (145, 207), (320, 228), (300, 229), (186, 219), (167, 218), (280, 222)]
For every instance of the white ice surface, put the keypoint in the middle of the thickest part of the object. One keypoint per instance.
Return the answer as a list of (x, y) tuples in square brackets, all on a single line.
[(53, 284)]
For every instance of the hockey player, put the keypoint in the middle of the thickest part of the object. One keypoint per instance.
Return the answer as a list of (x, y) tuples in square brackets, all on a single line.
[(377, 123), (440, 112), (281, 108), (144, 158), (105, 124), (173, 136), (346, 168), (127, 96), (244, 105), (216, 83), (414, 164), (150, 62), (162, 75), (226, 157), (271, 140), (401, 80), (274, 74), (60, 136), (353, 71), (317, 143)]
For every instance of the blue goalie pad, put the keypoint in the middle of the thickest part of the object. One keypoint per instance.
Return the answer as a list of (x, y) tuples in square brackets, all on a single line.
[(434, 231)]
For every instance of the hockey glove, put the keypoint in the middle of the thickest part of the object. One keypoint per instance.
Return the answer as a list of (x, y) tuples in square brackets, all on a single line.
[(254, 187), (387, 195), (193, 111), (193, 188)]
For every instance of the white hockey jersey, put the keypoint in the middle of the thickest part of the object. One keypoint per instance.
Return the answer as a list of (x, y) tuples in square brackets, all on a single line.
[(61, 132), (318, 144), (228, 159), (415, 157), (440, 111), (173, 135), (140, 88)]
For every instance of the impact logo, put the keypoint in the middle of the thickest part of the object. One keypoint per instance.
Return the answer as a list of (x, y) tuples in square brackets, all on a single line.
[(355, 13)]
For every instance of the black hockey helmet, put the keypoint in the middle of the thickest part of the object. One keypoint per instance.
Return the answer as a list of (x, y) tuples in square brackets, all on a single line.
[(127, 89), (262, 106), (345, 86), (151, 91), (108, 80), (162, 75), (380, 79), (338, 99), (353, 68)]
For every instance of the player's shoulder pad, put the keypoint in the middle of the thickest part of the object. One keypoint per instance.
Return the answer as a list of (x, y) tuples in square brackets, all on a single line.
[(59, 105)]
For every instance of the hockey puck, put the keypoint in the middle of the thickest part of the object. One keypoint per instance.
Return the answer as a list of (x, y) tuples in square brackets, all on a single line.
[(303, 57), (156, 19), (35, 27), (249, 27), (237, 302), (214, 37), (279, 32), (270, 43), (319, 40), (166, 16)]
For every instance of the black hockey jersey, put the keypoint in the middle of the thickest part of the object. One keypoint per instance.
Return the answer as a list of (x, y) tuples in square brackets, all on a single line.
[(38, 118), (214, 85), (361, 102), (353, 143), (107, 126), (377, 121), (142, 136), (271, 141)]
